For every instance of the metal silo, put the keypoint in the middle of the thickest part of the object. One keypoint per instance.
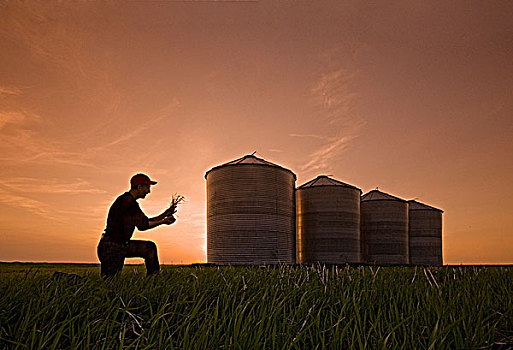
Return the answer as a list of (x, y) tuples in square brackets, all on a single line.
[(384, 228), (328, 221), (425, 234), (251, 214)]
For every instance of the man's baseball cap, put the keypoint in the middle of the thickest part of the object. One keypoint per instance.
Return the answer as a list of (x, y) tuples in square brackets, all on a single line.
[(141, 179)]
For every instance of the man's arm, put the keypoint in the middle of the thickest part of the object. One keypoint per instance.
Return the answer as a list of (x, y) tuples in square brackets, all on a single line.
[(162, 216), (169, 212), (143, 223), (157, 221)]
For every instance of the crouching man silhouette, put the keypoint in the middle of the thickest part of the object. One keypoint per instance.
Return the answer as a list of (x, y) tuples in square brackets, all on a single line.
[(124, 216)]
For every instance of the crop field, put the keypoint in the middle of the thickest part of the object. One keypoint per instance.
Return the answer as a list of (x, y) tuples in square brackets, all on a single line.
[(272, 307)]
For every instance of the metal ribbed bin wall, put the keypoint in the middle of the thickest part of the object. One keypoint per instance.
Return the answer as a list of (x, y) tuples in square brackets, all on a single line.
[(328, 222), (384, 229), (250, 214), (425, 234)]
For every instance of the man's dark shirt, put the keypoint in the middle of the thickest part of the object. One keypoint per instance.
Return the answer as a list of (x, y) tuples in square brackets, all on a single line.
[(124, 216)]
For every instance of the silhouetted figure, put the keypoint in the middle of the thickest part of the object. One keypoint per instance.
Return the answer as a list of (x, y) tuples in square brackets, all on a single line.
[(124, 216)]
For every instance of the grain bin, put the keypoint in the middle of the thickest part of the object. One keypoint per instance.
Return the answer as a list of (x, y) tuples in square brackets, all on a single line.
[(425, 234), (328, 221), (251, 214), (384, 228)]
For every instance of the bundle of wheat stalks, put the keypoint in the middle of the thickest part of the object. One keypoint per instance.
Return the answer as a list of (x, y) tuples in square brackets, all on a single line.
[(175, 200)]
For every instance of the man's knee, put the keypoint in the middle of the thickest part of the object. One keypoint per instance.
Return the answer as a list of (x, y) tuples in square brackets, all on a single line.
[(149, 250), (151, 246)]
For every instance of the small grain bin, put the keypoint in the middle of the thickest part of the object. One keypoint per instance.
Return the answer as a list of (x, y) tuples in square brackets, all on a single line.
[(328, 221), (425, 234), (251, 214), (384, 228)]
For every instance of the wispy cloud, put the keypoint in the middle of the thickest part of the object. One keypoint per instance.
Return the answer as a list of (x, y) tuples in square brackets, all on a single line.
[(324, 157), (57, 36), (49, 186), (149, 122), (59, 214), (51, 32), (332, 94), (32, 205), (335, 104), (309, 136), (13, 118), (8, 90), (31, 194), (20, 143), (127, 136)]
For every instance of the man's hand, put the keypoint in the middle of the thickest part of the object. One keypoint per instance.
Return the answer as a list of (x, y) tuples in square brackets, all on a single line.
[(167, 217), (166, 213), (168, 220), (169, 211)]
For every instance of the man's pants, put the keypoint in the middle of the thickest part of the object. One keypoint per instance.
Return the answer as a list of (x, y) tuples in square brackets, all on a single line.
[(112, 255)]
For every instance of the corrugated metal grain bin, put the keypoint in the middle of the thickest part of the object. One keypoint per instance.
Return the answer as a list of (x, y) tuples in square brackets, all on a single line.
[(384, 228), (425, 234), (328, 221), (251, 214)]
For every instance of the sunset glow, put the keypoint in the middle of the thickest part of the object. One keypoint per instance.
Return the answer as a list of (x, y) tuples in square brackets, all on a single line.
[(413, 98)]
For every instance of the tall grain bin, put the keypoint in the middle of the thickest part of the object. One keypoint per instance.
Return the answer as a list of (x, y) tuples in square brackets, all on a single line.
[(384, 228), (251, 214), (425, 234), (328, 221)]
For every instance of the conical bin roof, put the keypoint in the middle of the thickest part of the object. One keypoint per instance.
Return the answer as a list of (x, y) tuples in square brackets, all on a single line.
[(376, 195), (250, 159), (415, 205), (324, 180)]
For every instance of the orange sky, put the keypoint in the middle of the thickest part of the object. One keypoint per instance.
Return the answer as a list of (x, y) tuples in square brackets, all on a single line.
[(413, 97)]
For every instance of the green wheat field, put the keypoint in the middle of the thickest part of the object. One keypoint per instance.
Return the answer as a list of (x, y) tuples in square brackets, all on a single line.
[(257, 307)]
